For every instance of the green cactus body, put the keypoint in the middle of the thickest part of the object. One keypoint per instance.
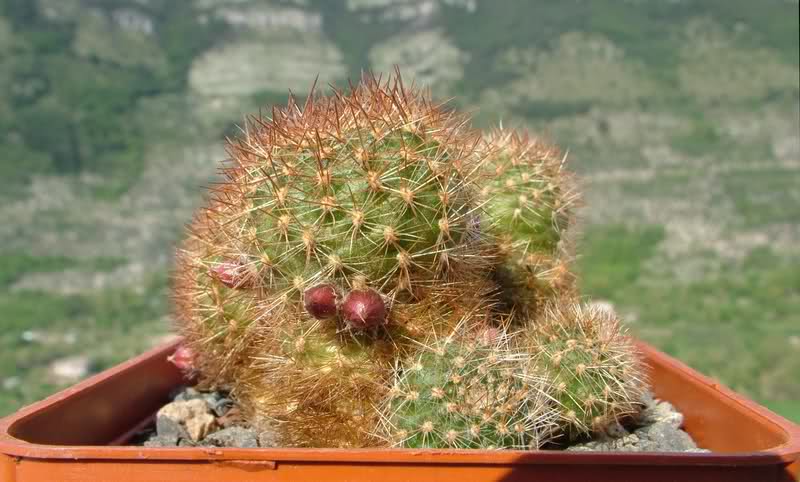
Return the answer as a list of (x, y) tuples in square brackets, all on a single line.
[(350, 190), (530, 201), (594, 368), (457, 394), (371, 192)]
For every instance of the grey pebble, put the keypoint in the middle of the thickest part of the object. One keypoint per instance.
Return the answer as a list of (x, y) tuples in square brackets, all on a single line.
[(220, 406), (161, 441), (268, 438), (168, 427), (190, 393), (663, 412), (664, 437), (186, 394), (659, 431), (232, 437), (186, 442)]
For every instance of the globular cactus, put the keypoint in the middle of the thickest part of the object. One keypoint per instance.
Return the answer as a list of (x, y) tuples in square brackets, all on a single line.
[(371, 192), (368, 190), (342, 230), (530, 203), (345, 232), (594, 368), (468, 392), (316, 387)]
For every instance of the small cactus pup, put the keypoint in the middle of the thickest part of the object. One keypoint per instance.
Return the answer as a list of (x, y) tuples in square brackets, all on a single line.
[(594, 368), (341, 230), (468, 392), (530, 202)]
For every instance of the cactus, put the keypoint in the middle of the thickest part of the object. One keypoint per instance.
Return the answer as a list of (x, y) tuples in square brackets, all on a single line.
[(345, 232), (342, 231), (322, 376), (372, 188), (530, 201), (468, 392), (594, 368)]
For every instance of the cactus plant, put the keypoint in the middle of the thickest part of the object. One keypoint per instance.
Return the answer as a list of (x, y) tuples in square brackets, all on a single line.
[(339, 230), (593, 366), (530, 201), (467, 392), (345, 232)]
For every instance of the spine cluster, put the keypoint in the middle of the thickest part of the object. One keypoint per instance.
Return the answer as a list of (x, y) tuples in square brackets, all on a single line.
[(347, 230)]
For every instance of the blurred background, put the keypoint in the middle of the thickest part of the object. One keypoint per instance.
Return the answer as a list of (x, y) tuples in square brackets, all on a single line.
[(682, 117)]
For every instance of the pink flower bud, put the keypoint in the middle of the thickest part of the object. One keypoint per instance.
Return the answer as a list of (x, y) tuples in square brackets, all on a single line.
[(183, 358), (320, 301), (364, 309), (230, 274)]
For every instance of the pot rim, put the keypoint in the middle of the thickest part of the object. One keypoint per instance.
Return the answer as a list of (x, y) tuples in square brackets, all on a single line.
[(785, 453)]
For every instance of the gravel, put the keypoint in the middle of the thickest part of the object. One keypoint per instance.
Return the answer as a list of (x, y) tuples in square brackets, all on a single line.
[(233, 437), (190, 419), (211, 419), (203, 419), (657, 429)]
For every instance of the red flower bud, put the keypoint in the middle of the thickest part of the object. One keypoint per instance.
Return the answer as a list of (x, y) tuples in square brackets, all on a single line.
[(320, 301), (364, 309)]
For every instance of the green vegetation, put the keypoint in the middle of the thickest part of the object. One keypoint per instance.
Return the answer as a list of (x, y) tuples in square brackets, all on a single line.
[(72, 96), (614, 256), (702, 138), (731, 324), (15, 265), (39, 328), (754, 209), (549, 110), (790, 410)]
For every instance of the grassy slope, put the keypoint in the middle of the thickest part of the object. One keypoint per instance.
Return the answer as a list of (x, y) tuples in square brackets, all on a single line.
[(739, 324)]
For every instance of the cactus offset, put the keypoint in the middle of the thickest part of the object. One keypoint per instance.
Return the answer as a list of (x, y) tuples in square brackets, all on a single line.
[(593, 366), (323, 376), (458, 392), (530, 204)]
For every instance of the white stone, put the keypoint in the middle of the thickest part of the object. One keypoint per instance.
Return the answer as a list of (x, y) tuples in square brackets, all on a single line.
[(71, 368), (274, 63)]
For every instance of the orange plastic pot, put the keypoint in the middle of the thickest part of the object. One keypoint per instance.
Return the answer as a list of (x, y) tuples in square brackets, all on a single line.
[(77, 435)]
